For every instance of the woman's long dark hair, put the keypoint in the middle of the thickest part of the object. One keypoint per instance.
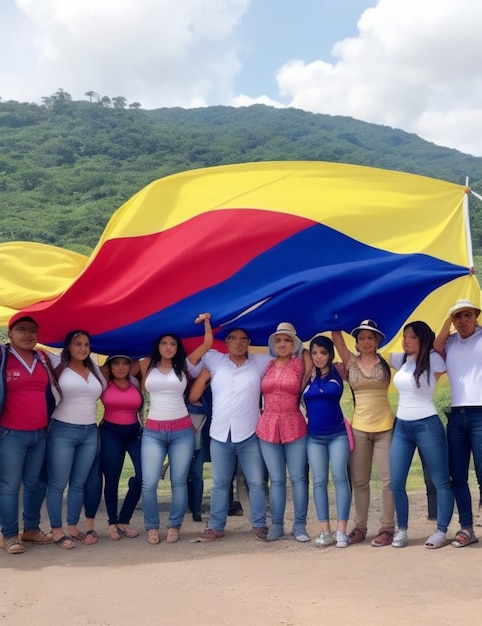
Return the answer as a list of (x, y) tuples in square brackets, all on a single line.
[(65, 356), (178, 360), (327, 343), (426, 337)]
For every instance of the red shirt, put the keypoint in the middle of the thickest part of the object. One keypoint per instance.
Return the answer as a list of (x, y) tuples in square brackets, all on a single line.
[(25, 399)]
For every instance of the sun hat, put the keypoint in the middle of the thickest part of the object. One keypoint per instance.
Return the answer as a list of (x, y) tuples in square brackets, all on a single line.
[(367, 325), (285, 328), (18, 317), (462, 305), (118, 356)]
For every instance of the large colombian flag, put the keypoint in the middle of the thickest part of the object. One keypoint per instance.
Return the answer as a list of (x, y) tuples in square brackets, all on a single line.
[(321, 245)]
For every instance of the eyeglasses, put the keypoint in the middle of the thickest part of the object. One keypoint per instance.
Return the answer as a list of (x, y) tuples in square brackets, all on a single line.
[(240, 339)]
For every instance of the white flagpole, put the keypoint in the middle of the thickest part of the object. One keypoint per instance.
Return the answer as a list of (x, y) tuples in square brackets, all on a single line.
[(468, 235)]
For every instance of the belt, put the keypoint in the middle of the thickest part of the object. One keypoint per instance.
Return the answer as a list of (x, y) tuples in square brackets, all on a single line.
[(168, 425), (456, 410)]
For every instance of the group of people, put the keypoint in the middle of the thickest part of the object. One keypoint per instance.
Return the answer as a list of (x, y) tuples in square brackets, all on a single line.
[(274, 414)]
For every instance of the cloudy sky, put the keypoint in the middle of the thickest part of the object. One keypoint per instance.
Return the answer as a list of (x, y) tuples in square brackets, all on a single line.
[(410, 64)]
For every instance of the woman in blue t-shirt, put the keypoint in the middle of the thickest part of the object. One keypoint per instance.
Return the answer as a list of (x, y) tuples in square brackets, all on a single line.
[(327, 441)]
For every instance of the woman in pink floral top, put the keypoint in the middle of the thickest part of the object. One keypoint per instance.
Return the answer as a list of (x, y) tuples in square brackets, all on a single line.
[(282, 429)]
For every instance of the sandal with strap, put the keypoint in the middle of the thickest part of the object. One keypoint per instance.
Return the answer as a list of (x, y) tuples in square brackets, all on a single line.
[(172, 535), (357, 535), (464, 537), (13, 544), (67, 543), (114, 534), (437, 540), (384, 538), (127, 531), (90, 538), (153, 536)]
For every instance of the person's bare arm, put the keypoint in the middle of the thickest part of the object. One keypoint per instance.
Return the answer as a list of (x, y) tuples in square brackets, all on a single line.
[(199, 352), (340, 346), (441, 338), (199, 385)]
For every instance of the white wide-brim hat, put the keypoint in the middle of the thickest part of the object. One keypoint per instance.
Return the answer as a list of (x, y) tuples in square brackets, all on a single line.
[(367, 325), (285, 328), (463, 304)]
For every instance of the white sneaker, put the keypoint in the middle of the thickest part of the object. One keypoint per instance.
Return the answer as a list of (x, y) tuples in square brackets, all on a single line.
[(341, 539), (400, 539), (325, 538)]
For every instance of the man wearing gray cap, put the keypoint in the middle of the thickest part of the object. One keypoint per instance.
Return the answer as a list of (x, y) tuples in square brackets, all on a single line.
[(463, 354)]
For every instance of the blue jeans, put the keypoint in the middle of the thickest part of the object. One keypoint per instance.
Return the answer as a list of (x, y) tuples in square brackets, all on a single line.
[(179, 446), (464, 434), (428, 435), (322, 452), (277, 456), (71, 452), (22, 457), (93, 487), (116, 442), (223, 463), (195, 482)]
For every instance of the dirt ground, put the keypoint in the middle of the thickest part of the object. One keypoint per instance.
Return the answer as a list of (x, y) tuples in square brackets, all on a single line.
[(238, 580)]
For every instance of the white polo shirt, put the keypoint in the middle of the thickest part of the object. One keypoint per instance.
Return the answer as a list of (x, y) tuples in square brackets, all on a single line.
[(464, 368), (236, 392)]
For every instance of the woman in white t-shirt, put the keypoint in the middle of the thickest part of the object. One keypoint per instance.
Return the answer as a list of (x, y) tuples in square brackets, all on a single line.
[(73, 438), (418, 426)]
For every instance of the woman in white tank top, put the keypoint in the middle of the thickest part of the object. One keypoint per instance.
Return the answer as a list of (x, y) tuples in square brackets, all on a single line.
[(168, 429)]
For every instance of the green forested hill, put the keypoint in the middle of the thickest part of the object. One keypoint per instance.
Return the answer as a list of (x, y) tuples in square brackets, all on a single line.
[(66, 166)]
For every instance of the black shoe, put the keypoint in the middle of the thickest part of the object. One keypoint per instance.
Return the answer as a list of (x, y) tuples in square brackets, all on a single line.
[(235, 508), (197, 518)]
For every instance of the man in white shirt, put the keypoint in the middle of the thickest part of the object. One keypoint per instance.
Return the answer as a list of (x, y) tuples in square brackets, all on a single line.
[(463, 354), (236, 387)]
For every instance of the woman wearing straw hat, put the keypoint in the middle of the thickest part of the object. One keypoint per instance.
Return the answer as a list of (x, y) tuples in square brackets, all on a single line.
[(282, 430), (369, 379)]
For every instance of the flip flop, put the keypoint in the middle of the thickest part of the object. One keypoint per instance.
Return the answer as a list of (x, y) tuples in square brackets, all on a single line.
[(80, 537), (65, 542), (90, 538), (464, 538)]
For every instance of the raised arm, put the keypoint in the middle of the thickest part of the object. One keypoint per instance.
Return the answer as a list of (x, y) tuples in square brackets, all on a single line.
[(199, 385), (441, 338), (307, 367), (199, 352), (340, 346)]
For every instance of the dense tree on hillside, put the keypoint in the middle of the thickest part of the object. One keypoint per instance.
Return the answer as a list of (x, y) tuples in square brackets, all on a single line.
[(92, 95), (65, 167), (119, 102)]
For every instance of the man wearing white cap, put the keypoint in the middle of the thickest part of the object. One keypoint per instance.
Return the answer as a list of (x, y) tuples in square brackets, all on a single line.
[(463, 354)]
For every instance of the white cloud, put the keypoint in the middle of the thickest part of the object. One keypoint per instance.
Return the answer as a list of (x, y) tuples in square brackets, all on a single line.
[(415, 65), (157, 52)]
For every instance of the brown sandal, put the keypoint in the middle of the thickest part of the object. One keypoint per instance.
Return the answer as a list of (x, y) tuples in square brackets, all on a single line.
[(357, 535), (384, 538), (153, 536), (172, 535)]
